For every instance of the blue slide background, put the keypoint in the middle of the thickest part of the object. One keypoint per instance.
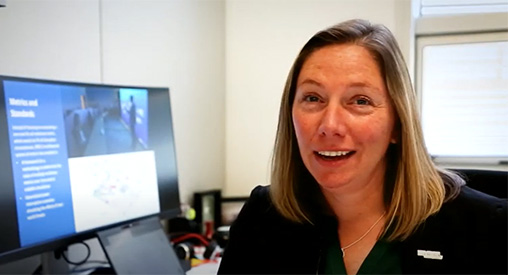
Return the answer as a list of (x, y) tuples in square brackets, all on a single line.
[(58, 221)]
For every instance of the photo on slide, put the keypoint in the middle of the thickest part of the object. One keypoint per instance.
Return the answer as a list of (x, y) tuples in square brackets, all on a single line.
[(101, 121)]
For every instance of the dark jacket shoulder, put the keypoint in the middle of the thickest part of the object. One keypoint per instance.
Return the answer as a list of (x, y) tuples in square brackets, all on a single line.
[(469, 233), (262, 241)]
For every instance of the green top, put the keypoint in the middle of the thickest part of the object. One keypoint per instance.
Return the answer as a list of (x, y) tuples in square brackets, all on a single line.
[(384, 258)]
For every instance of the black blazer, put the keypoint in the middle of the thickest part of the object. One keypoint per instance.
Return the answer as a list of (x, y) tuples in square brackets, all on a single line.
[(469, 232)]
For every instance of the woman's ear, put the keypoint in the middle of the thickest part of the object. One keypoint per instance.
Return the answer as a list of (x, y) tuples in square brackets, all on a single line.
[(395, 134)]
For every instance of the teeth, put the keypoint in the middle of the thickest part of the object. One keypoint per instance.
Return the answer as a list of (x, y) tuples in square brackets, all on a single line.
[(333, 153)]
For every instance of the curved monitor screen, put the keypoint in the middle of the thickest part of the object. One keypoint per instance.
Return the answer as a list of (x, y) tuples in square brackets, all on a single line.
[(79, 157)]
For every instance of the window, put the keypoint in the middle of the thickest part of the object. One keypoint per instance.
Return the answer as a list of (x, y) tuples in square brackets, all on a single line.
[(464, 96), (462, 80)]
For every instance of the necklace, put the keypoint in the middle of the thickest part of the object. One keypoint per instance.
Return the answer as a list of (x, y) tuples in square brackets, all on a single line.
[(361, 238)]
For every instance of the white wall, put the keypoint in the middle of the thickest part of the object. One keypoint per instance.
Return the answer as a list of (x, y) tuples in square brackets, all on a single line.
[(50, 39), (180, 45), (174, 43), (262, 39)]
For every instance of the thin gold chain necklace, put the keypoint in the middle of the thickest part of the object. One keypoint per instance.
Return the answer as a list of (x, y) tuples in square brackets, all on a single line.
[(343, 249)]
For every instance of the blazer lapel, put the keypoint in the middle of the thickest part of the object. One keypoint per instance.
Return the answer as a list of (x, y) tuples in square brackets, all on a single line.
[(425, 251)]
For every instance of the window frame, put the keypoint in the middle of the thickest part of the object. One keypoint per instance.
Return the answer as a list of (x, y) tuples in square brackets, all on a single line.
[(457, 29)]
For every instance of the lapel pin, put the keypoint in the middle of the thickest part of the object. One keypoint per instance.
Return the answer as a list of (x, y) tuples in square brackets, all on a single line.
[(428, 254)]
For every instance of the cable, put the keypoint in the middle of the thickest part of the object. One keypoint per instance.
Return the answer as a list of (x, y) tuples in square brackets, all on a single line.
[(80, 262), (61, 252), (189, 236)]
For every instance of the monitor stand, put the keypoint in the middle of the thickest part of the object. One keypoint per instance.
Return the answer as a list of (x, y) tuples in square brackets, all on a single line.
[(53, 263), (140, 248)]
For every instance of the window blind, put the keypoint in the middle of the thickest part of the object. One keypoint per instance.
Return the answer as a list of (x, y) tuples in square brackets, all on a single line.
[(450, 7), (464, 99)]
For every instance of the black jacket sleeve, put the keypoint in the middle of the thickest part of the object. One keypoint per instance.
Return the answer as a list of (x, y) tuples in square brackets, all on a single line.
[(261, 241), (240, 250)]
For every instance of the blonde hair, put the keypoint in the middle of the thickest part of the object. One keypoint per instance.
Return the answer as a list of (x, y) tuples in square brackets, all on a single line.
[(414, 187)]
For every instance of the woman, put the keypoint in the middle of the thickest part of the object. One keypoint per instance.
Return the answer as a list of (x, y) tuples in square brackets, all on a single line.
[(353, 189)]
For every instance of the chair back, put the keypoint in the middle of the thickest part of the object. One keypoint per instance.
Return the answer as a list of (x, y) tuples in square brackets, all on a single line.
[(494, 183)]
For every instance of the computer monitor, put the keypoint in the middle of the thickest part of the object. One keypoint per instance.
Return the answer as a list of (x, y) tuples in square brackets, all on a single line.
[(81, 158)]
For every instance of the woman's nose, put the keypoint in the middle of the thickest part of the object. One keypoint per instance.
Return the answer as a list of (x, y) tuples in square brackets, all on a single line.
[(333, 121)]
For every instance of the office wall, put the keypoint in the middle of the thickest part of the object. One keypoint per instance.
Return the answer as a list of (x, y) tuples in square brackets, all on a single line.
[(178, 44), (50, 39), (262, 39), (174, 43)]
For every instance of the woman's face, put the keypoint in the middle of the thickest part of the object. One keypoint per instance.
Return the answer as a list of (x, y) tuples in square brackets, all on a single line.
[(343, 117)]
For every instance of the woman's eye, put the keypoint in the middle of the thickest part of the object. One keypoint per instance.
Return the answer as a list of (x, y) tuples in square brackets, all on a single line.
[(311, 98), (362, 101)]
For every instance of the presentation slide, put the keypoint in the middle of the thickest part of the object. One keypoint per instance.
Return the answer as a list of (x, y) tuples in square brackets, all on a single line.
[(39, 161), (79, 160)]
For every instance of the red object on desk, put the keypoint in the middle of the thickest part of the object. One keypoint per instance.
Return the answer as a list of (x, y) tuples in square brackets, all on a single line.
[(190, 236), (209, 229)]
